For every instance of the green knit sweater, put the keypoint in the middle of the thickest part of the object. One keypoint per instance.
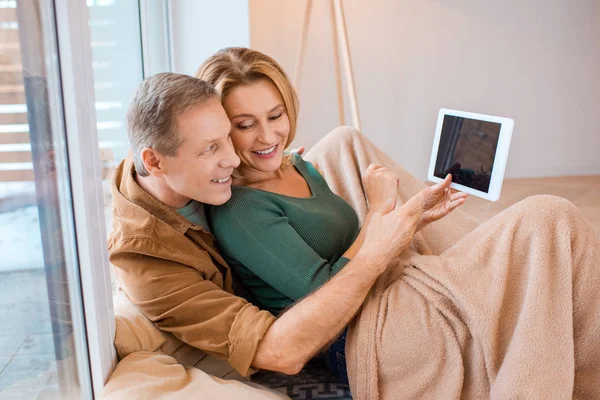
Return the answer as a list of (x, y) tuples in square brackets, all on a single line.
[(281, 247)]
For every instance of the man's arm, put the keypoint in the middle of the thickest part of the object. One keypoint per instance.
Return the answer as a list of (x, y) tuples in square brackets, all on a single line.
[(312, 323), (306, 328)]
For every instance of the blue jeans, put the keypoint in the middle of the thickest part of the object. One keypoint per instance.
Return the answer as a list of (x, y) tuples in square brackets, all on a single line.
[(335, 357)]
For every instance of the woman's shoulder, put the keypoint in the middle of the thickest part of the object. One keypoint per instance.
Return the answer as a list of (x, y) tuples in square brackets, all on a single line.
[(299, 162), (308, 170), (244, 201), (245, 213)]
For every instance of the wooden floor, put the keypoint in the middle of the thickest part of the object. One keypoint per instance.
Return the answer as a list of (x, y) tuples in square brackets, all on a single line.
[(583, 191)]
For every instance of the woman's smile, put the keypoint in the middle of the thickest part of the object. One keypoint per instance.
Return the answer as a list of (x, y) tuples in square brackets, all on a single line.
[(267, 153)]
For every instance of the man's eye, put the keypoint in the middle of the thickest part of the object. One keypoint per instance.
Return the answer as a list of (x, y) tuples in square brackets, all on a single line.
[(210, 148), (276, 117)]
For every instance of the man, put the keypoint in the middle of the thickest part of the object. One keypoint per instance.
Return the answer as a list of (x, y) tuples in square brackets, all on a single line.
[(169, 266)]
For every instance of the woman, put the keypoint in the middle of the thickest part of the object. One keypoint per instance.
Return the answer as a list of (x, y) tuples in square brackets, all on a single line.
[(446, 324), (286, 207)]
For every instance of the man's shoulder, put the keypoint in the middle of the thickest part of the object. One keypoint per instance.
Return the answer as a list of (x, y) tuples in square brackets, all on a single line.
[(141, 250), (152, 231), (153, 237), (132, 222)]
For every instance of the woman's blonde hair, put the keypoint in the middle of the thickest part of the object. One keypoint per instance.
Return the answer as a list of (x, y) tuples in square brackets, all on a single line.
[(235, 66)]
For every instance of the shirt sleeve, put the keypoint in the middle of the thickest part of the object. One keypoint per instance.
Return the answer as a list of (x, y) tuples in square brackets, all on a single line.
[(264, 242)]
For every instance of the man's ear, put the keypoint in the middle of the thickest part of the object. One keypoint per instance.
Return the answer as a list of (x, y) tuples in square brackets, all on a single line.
[(152, 161)]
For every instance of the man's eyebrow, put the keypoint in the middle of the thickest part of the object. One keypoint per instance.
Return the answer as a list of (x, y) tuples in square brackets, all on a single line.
[(204, 141), (250, 115)]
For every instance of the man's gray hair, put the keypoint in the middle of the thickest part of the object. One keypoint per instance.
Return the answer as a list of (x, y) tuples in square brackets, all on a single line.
[(151, 118)]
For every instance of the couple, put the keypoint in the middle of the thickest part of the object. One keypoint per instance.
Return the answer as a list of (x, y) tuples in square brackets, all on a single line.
[(404, 307)]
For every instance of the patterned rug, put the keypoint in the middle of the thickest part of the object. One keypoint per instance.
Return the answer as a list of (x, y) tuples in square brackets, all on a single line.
[(315, 381)]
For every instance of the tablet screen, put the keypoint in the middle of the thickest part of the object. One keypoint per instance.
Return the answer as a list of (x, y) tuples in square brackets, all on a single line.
[(467, 151)]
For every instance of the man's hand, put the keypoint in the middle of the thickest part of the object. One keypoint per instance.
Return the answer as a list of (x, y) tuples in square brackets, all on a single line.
[(388, 235), (381, 188), (439, 200), (298, 150)]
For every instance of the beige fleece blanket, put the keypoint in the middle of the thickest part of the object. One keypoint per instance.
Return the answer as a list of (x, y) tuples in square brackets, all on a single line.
[(509, 309), (152, 375)]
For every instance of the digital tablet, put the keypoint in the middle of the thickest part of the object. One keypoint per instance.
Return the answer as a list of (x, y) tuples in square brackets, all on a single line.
[(474, 149)]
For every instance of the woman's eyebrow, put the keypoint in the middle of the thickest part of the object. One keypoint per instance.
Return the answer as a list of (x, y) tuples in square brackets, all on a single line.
[(243, 115), (275, 108), (252, 116)]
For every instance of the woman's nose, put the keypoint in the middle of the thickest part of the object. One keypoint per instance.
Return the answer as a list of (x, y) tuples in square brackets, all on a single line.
[(267, 135)]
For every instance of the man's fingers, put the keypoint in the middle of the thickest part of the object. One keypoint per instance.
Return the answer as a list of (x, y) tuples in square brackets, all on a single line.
[(456, 203), (395, 199), (316, 165), (440, 186), (391, 202), (458, 195), (299, 150), (372, 167)]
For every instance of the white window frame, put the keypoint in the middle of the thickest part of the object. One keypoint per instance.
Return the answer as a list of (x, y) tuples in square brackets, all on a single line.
[(75, 56), (155, 28)]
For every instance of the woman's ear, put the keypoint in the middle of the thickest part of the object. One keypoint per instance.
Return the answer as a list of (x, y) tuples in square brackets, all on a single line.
[(152, 161)]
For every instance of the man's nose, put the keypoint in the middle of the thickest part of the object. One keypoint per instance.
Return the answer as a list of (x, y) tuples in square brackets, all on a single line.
[(230, 159)]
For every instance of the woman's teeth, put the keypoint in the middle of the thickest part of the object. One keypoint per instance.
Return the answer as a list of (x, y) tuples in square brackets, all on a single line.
[(222, 180), (268, 151)]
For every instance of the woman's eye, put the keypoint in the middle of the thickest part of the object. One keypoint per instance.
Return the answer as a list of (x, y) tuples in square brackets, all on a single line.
[(245, 127), (276, 117)]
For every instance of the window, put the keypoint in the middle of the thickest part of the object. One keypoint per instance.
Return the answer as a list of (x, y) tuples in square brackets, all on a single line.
[(43, 349)]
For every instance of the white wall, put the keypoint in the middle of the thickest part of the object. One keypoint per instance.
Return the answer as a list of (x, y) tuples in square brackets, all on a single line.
[(535, 61), (202, 27)]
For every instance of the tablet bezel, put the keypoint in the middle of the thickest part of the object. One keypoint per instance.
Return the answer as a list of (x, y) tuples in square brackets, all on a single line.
[(500, 159)]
